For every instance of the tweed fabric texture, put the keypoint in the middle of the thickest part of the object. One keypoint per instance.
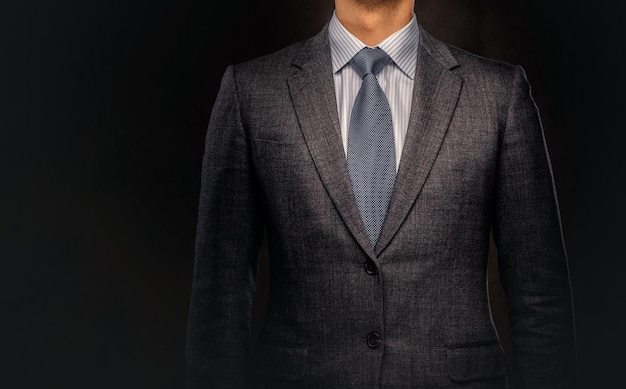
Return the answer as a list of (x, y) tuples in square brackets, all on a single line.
[(474, 162), (371, 152)]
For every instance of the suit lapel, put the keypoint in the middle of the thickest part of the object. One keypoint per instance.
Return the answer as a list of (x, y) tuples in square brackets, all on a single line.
[(311, 87), (435, 95)]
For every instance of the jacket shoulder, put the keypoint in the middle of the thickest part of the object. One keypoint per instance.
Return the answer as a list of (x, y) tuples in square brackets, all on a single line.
[(474, 62), (275, 61), (489, 72), (267, 75), (486, 74)]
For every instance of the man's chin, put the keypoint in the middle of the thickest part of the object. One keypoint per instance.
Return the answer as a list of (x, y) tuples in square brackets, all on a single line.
[(377, 3)]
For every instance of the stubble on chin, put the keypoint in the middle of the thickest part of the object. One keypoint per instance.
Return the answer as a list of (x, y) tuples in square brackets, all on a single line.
[(374, 4)]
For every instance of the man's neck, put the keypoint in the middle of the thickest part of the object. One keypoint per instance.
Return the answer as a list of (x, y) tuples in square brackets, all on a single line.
[(372, 21)]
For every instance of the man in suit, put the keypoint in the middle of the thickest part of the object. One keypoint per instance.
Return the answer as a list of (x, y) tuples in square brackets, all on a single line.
[(358, 302)]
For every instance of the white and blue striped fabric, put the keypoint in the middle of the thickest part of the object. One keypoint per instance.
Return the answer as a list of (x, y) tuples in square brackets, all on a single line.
[(396, 79)]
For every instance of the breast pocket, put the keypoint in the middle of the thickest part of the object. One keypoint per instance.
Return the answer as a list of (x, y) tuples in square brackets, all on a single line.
[(265, 149)]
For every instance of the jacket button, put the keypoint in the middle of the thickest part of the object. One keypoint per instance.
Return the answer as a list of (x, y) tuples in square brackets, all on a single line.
[(374, 340), (370, 268)]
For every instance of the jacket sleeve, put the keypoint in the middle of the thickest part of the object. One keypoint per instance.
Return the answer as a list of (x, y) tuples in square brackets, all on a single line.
[(531, 253), (228, 238)]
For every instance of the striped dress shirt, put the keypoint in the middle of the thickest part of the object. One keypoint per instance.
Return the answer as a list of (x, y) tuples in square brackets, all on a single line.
[(396, 79)]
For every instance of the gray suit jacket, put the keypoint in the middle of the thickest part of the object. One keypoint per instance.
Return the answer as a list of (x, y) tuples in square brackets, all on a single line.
[(414, 312)]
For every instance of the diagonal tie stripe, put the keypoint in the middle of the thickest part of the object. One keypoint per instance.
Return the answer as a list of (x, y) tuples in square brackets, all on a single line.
[(371, 151)]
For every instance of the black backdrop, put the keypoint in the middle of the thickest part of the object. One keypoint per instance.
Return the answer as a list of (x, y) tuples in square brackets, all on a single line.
[(103, 110)]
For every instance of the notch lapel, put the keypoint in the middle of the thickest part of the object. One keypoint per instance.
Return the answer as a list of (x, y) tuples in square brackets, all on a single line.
[(312, 91), (435, 95)]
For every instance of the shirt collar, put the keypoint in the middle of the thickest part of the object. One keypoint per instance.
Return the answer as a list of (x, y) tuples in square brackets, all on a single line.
[(401, 46)]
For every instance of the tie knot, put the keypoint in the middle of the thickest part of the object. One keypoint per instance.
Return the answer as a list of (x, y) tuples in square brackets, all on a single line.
[(370, 61)]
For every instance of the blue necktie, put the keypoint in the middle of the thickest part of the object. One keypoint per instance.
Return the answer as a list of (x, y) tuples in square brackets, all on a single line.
[(371, 151)]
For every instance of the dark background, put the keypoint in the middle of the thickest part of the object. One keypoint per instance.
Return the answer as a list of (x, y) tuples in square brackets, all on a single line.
[(103, 110)]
